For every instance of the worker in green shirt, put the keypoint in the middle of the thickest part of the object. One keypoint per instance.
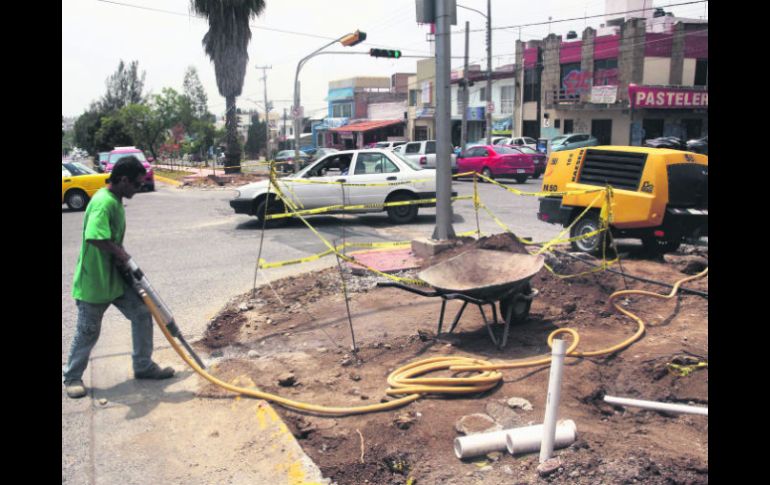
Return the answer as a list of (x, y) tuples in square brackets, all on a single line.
[(98, 281)]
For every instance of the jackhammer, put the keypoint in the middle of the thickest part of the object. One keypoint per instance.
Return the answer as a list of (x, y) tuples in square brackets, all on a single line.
[(139, 282)]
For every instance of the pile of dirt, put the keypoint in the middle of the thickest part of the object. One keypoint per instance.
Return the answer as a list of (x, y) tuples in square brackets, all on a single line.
[(221, 180), (296, 342)]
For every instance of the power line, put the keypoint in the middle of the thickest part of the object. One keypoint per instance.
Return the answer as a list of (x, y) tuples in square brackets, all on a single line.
[(581, 18), (258, 27)]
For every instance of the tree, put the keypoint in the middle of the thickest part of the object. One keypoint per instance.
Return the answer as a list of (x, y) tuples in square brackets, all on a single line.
[(255, 138), (226, 44), (86, 127), (112, 133), (193, 89), (124, 87), (145, 127)]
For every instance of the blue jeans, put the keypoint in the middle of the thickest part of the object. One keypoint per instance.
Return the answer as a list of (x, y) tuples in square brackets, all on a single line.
[(90, 324)]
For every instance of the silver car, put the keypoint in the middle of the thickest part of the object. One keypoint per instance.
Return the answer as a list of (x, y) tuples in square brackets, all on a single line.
[(395, 179)]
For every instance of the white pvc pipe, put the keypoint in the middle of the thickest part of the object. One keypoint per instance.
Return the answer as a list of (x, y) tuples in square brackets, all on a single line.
[(552, 401), (657, 406), (480, 443), (529, 439)]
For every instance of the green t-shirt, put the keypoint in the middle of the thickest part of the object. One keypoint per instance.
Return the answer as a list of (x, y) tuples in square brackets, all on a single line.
[(97, 279)]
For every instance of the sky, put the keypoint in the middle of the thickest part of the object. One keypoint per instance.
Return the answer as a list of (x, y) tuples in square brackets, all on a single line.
[(165, 37)]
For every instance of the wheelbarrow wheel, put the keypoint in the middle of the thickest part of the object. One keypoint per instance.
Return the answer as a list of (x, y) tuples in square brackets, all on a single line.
[(521, 306)]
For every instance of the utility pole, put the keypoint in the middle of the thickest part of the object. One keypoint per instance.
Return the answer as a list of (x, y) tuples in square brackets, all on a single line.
[(267, 111), (444, 230), (489, 71), (464, 126), (283, 128)]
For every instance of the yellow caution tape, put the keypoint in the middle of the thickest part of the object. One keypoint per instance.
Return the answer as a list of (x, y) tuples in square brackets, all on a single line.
[(345, 208), (685, 370)]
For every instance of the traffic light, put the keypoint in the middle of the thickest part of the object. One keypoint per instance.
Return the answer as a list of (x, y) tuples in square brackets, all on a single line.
[(352, 39), (385, 53)]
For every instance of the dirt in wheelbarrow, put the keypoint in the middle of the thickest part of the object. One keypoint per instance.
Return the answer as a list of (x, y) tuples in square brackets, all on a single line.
[(295, 340)]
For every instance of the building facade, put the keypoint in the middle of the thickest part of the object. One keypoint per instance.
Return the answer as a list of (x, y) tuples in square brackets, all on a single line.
[(639, 79), (357, 108)]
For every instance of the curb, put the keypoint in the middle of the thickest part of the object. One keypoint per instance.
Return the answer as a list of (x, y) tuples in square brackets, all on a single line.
[(167, 180)]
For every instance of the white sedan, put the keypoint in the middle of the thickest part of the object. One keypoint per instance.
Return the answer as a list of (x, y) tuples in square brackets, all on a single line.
[(396, 179)]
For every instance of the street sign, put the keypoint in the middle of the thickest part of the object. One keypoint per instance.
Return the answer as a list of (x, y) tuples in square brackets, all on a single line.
[(298, 112), (491, 107)]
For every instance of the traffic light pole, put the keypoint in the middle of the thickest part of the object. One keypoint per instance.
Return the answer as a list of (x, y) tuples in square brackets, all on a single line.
[(443, 230), (296, 113), (464, 126), (489, 71)]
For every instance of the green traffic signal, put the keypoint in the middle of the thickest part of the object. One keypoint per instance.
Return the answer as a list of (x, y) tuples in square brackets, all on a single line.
[(394, 54)]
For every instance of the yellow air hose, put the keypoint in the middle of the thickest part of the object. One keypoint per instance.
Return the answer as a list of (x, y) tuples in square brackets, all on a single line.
[(405, 380)]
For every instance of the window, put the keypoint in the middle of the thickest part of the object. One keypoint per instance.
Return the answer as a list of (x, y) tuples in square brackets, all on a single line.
[(506, 99), (565, 70), (701, 72), (557, 123), (331, 166), (606, 72), (430, 147), (531, 85), (342, 110), (412, 148), (374, 163), (412, 97), (483, 94), (568, 126)]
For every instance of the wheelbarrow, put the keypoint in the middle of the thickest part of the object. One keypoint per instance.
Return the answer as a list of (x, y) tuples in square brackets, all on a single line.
[(483, 277)]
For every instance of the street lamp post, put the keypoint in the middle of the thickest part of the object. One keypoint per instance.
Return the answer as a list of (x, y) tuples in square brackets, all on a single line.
[(487, 16), (348, 40)]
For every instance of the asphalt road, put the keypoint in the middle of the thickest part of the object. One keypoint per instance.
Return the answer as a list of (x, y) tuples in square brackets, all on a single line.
[(197, 253)]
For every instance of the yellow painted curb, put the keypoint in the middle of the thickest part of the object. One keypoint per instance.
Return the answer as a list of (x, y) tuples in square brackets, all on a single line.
[(167, 180)]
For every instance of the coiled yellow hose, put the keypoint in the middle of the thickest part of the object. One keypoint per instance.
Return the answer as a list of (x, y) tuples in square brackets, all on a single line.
[(405, 380)]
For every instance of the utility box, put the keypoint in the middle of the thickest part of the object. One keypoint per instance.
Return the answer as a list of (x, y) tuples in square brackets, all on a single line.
[(426, 11)]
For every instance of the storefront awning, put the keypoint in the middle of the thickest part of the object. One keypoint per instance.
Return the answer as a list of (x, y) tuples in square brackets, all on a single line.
[(365, 126)]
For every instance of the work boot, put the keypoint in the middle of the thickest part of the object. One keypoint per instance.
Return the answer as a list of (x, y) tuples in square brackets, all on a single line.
[(75, 388), (155, 372)]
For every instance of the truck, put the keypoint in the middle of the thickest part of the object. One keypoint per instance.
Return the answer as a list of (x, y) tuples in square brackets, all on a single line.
[(659, 195), (424, 153)]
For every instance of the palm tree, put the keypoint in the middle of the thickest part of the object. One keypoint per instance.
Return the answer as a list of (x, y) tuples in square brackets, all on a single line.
[(226, 44)]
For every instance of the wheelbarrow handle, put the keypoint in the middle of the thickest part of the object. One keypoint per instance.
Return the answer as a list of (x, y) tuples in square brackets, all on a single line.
[(394, 284)]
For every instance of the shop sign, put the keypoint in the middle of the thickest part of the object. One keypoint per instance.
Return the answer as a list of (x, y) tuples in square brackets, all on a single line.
[(335, 122), (425, 113), (604, 94), (476, 113), (667, 98)]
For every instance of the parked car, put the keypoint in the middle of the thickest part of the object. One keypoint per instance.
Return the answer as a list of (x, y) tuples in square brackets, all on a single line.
[(322, 152), (351, 166), (288, 164), (424, 153), (123, 152), (574, 140), (388, 145), (79, 183), (497, 161), (699, 145), (539, 160), (672, 142), (519, 141), (101, 163)]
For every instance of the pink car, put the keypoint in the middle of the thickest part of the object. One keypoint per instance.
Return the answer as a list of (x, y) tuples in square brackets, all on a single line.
[(122, 152), (497, 161)]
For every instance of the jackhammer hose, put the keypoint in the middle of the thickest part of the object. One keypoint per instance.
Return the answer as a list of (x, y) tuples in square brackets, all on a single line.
[(404, 380)]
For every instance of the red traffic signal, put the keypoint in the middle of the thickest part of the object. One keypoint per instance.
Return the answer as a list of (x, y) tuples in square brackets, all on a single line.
[(352, 39), (385, 53)]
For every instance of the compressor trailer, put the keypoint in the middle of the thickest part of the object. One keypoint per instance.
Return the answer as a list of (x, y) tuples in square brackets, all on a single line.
[(660, 195)]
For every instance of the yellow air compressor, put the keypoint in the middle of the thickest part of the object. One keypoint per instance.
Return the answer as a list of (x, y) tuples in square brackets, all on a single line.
[(659, 195)]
